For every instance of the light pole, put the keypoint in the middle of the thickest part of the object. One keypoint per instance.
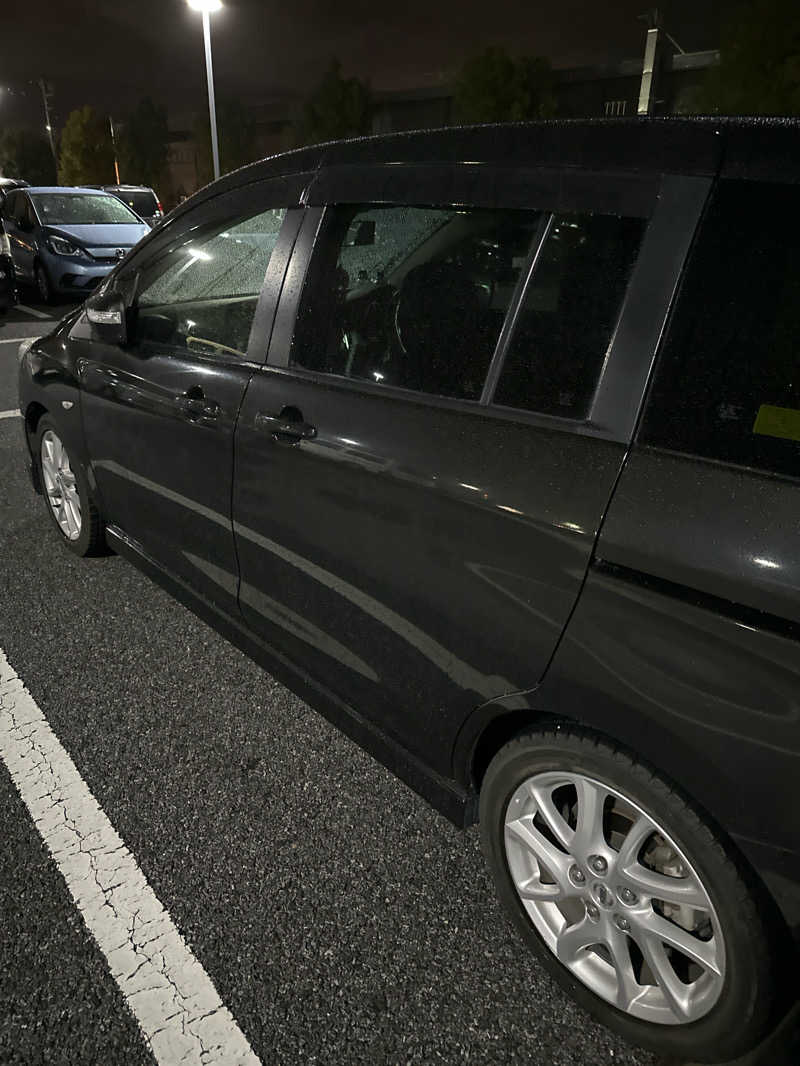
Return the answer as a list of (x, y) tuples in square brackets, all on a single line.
[(206, 7)]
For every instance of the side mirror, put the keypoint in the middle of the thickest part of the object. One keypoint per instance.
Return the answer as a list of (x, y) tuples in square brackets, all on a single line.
[(107, 318)]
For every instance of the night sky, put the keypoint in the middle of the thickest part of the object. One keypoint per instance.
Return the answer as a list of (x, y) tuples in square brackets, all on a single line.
[(109, 54)]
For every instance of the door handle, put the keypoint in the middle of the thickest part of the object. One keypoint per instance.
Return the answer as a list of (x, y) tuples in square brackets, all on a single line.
[(284, 428), (194, 405)]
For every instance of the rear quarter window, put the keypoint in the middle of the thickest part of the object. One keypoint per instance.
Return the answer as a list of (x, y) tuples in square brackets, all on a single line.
[(727, 383)]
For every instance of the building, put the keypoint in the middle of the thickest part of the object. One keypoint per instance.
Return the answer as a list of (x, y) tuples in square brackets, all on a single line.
[(584, 92)]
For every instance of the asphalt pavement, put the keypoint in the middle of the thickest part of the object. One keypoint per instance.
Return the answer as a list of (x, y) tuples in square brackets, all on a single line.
[(340, 919)]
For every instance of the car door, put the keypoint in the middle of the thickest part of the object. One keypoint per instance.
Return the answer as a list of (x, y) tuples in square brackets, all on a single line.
[(19, 222), (159, 412), (423, 465)]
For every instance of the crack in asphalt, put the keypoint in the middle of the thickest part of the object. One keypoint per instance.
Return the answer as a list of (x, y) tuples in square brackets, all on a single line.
[(178, 1009)]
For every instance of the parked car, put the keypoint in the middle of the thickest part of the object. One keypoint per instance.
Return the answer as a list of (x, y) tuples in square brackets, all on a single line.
[(139, 198), (8, 281), (7, 184), (487, 443), (66, 240)]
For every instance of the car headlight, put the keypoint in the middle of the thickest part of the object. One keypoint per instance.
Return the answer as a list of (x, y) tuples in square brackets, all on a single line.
[(62, 247)]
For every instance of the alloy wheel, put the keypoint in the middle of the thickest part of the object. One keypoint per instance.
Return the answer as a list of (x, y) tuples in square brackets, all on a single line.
[(60, 485), (614, 898)]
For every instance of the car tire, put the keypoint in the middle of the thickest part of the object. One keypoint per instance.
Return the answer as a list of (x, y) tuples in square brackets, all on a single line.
[(44, 286), (67, 496), (530, 804)]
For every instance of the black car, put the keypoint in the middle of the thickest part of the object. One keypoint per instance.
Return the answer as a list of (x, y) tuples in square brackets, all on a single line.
[(8, 278), (487, 443), (140, 198)]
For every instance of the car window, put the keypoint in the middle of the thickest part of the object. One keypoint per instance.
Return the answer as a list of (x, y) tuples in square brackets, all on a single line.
[(568, 314), (142, 201), (12, 206), (82, 209), (201, 294), (727, 384), (413, 297)]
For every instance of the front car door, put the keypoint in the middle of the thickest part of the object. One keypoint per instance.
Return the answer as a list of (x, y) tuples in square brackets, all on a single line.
[(423, 466), (159, 412), (19, 225)]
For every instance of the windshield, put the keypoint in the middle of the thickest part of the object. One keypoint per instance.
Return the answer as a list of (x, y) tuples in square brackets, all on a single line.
[(81, 209), (143, 202)]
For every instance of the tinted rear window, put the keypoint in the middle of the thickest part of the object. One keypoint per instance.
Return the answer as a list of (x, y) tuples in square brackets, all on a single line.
[(728, 381), (143, 203)]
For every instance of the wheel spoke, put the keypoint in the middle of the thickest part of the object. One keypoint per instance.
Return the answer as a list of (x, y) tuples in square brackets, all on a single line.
[(680, 890), (49, 473), (73, 515), (589, 836), (522, 831), (629, 850), (558, 826), (628, 988), (574, 939), (676, 993), (703, 952), (540, 891)]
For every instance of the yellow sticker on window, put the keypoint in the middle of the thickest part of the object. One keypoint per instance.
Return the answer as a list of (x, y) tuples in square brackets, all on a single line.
[(778, 422)]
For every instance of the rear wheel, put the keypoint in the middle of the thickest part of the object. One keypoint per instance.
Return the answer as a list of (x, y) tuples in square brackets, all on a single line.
[(631, 900), (68, 498)]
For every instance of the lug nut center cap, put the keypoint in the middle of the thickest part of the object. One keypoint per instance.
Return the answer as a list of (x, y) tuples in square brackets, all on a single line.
[(602, 895)]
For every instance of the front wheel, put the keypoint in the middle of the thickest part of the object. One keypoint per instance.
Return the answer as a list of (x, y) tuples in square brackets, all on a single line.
[(43, 286), (69, 500), (631, 900)]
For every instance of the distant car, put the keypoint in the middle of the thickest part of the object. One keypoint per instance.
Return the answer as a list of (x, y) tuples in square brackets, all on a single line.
[(8, 281), (7, 184), (65, 240), (141, 199)]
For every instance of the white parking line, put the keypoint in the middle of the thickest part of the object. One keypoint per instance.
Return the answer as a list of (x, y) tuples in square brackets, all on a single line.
[(170, 994), (32, 311), (13, 340), (10, 414)]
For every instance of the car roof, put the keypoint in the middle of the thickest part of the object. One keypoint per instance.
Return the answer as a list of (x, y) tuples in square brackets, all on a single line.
[(68, 189), (129, 188), (748, 147)]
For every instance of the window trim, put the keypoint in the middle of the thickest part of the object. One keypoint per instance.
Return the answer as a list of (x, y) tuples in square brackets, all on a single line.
[(619, 394), (281, 193)]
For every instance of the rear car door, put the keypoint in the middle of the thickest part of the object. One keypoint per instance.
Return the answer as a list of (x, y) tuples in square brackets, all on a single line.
[(424, 463), (159, 412)]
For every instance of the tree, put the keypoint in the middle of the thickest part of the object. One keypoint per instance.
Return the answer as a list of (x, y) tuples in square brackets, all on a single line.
[(236, 132), (143, 144), (25, 154), (87, 155), (337, 107), (759, 70), (494, 87)]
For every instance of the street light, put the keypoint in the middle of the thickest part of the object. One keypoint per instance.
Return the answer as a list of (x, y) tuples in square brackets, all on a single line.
[(206, 7)]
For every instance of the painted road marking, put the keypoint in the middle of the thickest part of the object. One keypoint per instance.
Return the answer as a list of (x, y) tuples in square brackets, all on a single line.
[(10, 414), (34, 312), (170, 994), (14, 340)]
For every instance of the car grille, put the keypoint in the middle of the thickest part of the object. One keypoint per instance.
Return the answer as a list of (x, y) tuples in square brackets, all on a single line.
[(105, 255)]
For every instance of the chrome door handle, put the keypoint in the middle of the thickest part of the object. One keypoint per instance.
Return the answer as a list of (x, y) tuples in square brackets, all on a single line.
[(194, 405), (284, 428)]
